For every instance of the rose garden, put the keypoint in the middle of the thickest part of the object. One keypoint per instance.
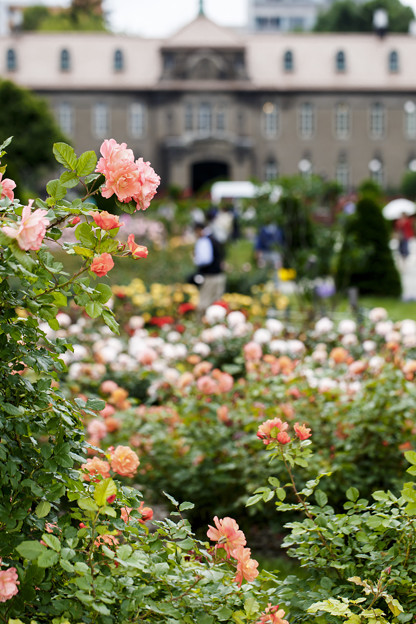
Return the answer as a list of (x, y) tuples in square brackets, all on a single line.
[(248, 467)]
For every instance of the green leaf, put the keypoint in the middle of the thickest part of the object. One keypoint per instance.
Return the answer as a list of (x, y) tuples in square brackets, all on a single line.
[(30, 549), (410, 456), (93, 309), (83, 251), (129, 208), (56, 189), (352, 494), (103, 490), (47, 559), (6, 143), (105, 292), (13, 410), (321, 498), (185, 505), (96, 405), (254, 499), (69, 179), (251, 607), (110, 321), (65, 155), (52, 541), (86, 163), (87, 504), (42, 509), (281, 493), (84, 233)]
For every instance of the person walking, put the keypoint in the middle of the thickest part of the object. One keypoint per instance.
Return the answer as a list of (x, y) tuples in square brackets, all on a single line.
[(209, 263), (405, 232)]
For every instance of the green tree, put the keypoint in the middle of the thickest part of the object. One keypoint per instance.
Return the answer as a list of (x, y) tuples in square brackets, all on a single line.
[(28, 118), (366, 261), (408, 185), (349, 16), (81, 15)]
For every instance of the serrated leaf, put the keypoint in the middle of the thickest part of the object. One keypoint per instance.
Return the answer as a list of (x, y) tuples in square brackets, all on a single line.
[(83, 251), (254, 499), (352, 494), (65, 155), (87, 504), (30, 549), (86, 163), (42, 509), (96, 405), (186, 505), (105, 292), (110, 321), (321, 498), (93, 309), (103, 490), (6, 143), (47, 559), (52, 541), (84, 233), (410, 456), (56, 189), (69, 179)]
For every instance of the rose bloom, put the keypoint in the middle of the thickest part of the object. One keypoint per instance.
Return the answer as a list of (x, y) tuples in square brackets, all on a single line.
[(228, 535), (94, 467), (137, 251), (146, 513), (105, 220), (97, 429), (246, 567), (225, 382), (108, 411), (31, 230), (271, 429), (272, 615), (101, 265), (124, 461), (7, 187), (110, 540), (108, 386), (8, 584), (207, 385), (302, 432), (252, 351)]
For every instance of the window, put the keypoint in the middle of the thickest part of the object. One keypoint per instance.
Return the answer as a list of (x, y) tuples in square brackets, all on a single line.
[(118, 61), (288, 61), (101, 120), (189, 117), (270, 170), (241, 122), (205, 117), (393, 62), (306, 121), (137, 120), (376, 170), (410, 120), (11, 60), (270, 120), (221, 118), (342, 173), (66, 118), (65, 60), (377, 121), (342, 121), (340, 62)]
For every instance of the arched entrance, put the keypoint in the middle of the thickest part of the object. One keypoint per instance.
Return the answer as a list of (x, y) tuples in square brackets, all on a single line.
[(207, 171)]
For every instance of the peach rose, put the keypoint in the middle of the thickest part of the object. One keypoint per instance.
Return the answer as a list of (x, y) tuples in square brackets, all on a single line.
[(124, 461), (137, 251), (8, 584), (31, 230), (6, 188), (246, 567), (94, 467), (105, 220), (101, 265)]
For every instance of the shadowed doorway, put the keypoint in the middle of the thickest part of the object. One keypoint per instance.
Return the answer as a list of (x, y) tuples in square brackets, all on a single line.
[(208, 171)]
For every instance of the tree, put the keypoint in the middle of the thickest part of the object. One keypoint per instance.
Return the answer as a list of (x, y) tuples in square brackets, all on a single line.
[(366, 261), (28, 118), (349, 16), (81, 15), (408, 185)]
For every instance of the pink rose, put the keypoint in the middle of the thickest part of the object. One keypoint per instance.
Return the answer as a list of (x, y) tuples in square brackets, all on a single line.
[(101, 265), (124, 461), (8, 584), (7, 187), (31, 230), (149, 183)]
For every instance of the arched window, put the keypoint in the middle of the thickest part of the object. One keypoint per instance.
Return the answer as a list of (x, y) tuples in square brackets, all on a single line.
[(393, 62), (342, 171), (205, 118), (11, 60), (118, 61), (288, 61), (340, 61), (306, 120), (270, 169), (65, 60)]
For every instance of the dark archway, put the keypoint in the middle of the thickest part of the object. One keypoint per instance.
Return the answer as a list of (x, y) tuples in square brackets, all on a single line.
[(208, 171)]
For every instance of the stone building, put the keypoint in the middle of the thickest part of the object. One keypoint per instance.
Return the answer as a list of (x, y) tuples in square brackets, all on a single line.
[(284, 15), (211, 103)]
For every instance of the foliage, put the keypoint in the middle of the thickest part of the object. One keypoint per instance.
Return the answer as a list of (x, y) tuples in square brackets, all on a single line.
[(348, 16), (74, 546), (408, 185), (81, 15), (28, 119), (366, 261)]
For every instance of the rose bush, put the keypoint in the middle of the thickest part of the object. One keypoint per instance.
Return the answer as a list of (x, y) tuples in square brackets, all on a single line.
[(74, 545)]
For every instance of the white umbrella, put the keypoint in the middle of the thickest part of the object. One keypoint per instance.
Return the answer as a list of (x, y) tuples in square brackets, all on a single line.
[(395, 209)]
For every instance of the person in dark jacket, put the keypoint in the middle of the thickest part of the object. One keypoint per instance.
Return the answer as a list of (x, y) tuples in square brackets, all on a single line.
[(209, 263)]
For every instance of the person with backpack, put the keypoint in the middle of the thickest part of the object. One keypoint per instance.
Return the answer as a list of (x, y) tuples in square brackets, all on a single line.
[(209, 263)]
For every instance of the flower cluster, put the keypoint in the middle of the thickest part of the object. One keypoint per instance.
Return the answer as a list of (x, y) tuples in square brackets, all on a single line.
[(31, 229), (275, 430), (128, 179), (230, 537), (123, 460)]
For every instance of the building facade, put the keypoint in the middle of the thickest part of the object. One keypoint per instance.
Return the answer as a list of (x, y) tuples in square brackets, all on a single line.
[(209, 103), (284, 15)]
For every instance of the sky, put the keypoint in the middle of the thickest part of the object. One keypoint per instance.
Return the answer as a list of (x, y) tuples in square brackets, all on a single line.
[(161, 18)]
